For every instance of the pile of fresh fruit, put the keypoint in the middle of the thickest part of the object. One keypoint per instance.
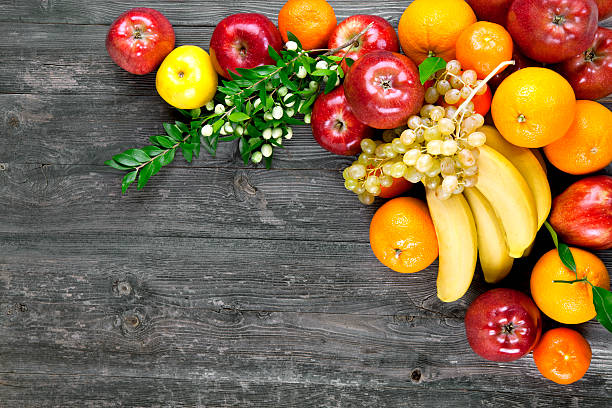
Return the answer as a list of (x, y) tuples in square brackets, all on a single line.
[(480, 87)]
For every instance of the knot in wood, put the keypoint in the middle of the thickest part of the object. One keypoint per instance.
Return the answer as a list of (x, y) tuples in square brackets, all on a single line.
[(2, 166), (416, 376), (122, 288)]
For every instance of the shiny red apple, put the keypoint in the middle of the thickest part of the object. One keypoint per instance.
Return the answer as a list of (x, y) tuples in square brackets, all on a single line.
[(381, 36), (551, 31), (495, 11), (503, 325), (590, 72), (605, 8), (335, 127), (241, 41), (582, 214), (383, 89), (139, 40)]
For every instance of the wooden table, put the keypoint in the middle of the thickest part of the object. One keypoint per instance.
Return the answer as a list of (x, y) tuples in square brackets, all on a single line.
[(219, 284)]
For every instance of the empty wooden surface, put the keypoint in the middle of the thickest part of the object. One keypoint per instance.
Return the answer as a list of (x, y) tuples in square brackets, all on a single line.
[(220, 284)]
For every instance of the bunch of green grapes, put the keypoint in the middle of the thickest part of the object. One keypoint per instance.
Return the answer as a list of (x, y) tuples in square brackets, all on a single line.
[(438, 147)]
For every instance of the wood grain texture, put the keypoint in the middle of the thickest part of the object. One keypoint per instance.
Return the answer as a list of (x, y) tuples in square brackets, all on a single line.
[(220, 284)]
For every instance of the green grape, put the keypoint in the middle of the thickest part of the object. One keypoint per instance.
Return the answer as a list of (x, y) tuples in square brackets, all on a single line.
[(443, 86), (475, 153), (427, 122), (453, 67), (414, 122), (452, 97), (470, 181), (411, 157), (364, 158), (426, 109), (368, 146), (389, 151), (380, 150), (437, 113), (470, 171), (434, 147), (350, 184), (466, 158), (449, 147), (435, 169), (373, 189), (366, 198), (456, 82), (459, 189), (386, 181), (465, 92), (413, 175), (360, 189), (431, 95), (398, 146), (469, 77), (482, 90), (388, 135), (450, 183), (476, 139), (420, 138), (357, 171), (442, 194), (447, 166), (468, 125), (398, 170), (431, 182), (446, 126), (408, 137), (386, 168), (424, 163), (450, 112), (345, 173), (372, 180), (479, 119), (432, 133)]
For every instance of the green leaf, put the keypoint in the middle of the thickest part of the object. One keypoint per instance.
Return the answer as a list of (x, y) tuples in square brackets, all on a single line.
[(126, 160), (145, 173), (331, 82), (152, 150), (268, 161), (307, 104), (182, 127), (430, 66), (157, 164), (194, 113), (247, 73), (163, 141), (173, 131), (217, 125), (127, 180), (264, 70), (273, 54), (553, 233), (116, 165), (285, 80), (187, 149), (167, 157), (349, 61), (227, 91), (566, 257), (322, 72), (138, 155), (229, 138), (602, 299), (292, 37), (238, 117)]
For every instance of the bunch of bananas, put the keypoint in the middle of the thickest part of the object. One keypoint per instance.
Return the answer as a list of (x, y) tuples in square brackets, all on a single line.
[(496, 220)]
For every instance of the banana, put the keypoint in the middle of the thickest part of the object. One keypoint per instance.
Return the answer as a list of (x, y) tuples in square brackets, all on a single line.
[(492, 248), (538, 154), (530, 167), (509, 194), (457, 244)]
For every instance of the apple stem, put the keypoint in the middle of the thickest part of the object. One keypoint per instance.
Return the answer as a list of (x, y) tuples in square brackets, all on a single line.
[(482, 84)]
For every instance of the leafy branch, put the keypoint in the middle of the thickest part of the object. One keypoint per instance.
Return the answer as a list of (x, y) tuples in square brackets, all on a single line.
[(257, 107), (602, 298)]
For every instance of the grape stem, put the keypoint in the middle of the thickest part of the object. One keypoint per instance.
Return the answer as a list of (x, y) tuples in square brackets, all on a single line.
[(482, 84), (352, 41)]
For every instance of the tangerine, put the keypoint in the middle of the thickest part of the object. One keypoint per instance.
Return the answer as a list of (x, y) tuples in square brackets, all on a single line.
[(402, 235), (533, 107), (311, 21), (562, 355), (587, 145), (568, 303), (483, 46), (431, 28)]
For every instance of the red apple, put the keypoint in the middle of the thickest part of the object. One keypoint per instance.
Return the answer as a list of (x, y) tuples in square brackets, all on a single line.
[(139, 40), (383, 89), (335, 127), (495, 11), (241, 41), (590, 72), (503, 325), (381, 36), (582, 214), (605, 8), (551, 31)]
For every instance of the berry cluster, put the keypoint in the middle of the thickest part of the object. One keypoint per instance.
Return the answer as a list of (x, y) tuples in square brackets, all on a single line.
[(438, 147)]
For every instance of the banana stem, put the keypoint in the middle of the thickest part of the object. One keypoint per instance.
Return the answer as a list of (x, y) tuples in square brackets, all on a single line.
[(482, 83)]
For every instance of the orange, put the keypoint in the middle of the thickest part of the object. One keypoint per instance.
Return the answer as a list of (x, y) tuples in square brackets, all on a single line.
[(533, 107), (431, 28), (587, 145), (562, 355), (311, 21), (564, 302), (402, 235), (483, 46)]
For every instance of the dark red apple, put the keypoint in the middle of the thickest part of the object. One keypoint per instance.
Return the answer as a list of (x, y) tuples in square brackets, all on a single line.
[(241, 41), (139, 40), (335, 127), (520, 62), (503, 325), (582, 214), (551, 31), (383, 89), (381, 36), (495, 11), (605, 8), (590, 72)]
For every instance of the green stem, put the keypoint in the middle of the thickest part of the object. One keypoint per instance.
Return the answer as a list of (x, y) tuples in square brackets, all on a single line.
[(573, 281)]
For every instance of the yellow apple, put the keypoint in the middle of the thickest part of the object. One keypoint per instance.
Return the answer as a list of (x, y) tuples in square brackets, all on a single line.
[(186, 79)]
